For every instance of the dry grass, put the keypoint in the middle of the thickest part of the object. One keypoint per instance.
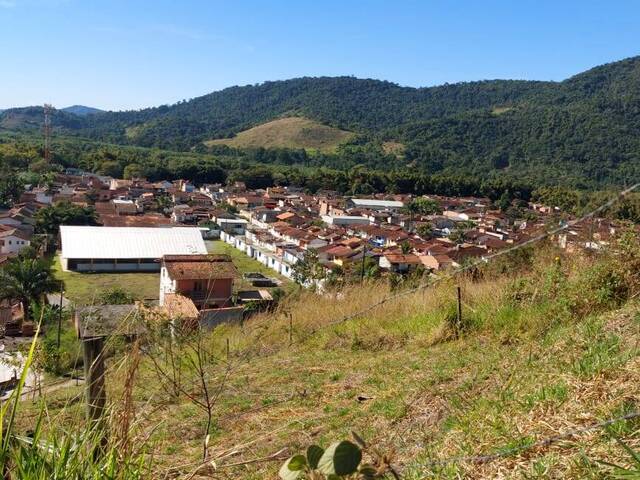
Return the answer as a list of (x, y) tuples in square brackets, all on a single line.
[(400, 378), (289, 132)]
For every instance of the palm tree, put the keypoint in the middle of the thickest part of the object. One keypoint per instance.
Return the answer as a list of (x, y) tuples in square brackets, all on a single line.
[(27, 280)]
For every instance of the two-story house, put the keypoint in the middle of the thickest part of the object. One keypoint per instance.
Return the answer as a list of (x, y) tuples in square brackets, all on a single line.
[(205, 279)]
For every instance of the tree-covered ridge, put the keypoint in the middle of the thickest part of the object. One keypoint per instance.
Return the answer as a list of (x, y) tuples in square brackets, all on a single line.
[(582, 132), (363, 105)]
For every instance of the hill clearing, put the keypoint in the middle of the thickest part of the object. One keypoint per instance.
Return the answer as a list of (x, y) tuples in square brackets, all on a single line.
[(289, 132)]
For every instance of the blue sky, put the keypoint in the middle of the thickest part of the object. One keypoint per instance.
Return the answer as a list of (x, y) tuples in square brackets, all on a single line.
[(117, 54)]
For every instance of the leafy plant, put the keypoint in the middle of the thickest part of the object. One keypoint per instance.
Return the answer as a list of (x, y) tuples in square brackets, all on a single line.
[(341, 460), (26, 280), (116, 296)]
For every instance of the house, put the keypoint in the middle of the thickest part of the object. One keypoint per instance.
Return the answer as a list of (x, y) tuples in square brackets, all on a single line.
[(345, 220), (262, 216), (339, 254), (246, 202), (437, 262), (12, 240), (117, 184), (181, 310), (399, 262), (207, 280), (233, 226), (124, 207), (147, 220), (11, 317), (291, 218)]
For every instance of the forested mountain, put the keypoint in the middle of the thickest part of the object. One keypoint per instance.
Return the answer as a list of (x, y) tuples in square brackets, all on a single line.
[(346, 102), (584, 130)]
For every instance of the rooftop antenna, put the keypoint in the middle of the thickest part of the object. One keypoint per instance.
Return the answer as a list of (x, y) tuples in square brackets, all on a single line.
[(48, 109)]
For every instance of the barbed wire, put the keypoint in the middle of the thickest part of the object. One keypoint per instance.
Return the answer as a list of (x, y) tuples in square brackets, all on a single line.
[(489, 258), (545, 442), (475, 264), (245, 356)]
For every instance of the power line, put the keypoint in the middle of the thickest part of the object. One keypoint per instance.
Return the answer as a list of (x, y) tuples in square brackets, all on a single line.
[(488, 258)]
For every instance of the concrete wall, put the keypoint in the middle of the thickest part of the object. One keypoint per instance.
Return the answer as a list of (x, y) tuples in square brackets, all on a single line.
[(213, 317), (117, 266)]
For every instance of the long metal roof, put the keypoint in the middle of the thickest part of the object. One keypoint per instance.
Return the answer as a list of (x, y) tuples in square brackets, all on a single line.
[(130, 242), (373, 202)]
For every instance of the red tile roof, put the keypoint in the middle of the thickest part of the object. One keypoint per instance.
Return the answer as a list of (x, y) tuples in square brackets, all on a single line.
[(199, 267)]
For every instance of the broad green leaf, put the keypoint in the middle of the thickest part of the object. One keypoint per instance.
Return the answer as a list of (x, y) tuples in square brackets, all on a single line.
[(341, 458), (286, 473), (297, 462), (314, 454)]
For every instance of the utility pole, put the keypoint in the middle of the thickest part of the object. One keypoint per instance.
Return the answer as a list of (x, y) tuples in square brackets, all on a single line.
[(48, 109), (459, 316), (59, 319), (364, 256)]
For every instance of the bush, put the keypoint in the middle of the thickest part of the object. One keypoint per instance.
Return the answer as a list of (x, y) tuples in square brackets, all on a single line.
[(116, 296)]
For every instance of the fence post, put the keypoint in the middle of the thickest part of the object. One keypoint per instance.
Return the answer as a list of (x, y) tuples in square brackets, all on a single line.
[(290, 329), (94, 379), (459, 317), (228, 349), (59, 321)]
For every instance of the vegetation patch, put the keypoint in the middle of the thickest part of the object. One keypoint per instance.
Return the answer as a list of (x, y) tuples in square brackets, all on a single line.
[(289, 132)]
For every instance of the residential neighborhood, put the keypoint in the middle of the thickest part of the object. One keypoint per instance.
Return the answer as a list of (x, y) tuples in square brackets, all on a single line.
[(167, 227)]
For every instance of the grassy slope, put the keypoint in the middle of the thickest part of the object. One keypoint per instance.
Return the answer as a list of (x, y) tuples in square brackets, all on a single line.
[(550, 362), (243, 263), (84, 288), (290, 132)]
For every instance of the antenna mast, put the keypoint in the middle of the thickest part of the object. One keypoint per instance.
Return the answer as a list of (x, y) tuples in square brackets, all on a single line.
[(47, 132)]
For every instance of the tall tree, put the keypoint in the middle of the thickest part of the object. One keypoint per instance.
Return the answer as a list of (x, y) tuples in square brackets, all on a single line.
[(10, 188), (26, 280), (49, 219)]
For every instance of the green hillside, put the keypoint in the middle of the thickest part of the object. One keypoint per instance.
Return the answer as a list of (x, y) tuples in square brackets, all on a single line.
[(289, 132), (583, 131)]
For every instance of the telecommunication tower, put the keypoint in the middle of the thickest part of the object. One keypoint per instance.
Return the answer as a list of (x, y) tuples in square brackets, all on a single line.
[(48, 109)]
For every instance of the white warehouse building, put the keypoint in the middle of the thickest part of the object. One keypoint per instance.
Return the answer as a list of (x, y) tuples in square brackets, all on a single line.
[(375, 204), (125, 249)]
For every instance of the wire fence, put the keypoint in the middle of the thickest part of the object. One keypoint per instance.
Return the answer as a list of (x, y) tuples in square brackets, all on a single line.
[(487, 259), (470, 266), (542, 443), (240, 357)]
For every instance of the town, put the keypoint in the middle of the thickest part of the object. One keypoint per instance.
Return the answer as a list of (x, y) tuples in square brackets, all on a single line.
[(314, 239), (319, 240)]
